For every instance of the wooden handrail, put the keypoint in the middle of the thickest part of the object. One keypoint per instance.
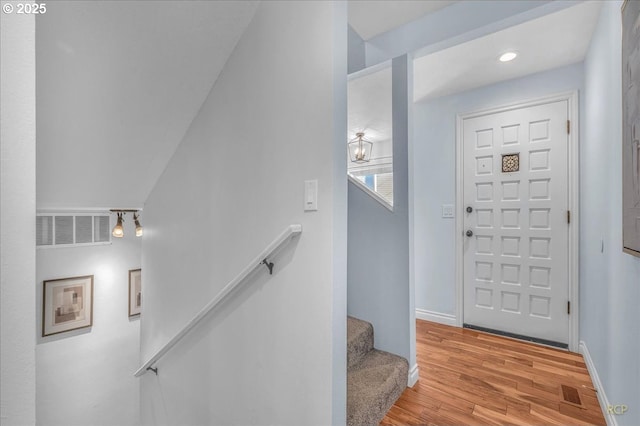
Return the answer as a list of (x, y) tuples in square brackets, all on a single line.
[(290, 232)]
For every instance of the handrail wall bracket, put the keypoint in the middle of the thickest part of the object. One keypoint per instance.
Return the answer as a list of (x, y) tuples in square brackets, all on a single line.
[(268, 264)]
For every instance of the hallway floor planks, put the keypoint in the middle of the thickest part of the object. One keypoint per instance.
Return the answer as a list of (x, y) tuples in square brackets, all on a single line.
[(474, 378)]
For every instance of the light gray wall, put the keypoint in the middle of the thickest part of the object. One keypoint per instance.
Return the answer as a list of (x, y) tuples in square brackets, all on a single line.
[(339, 224), (434, 175), (378, 242), (95, 365), (355, 51), (275, 353), (17, 218), (609, 279)]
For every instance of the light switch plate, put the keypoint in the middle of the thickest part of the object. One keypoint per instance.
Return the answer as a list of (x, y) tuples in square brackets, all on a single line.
[(447, 210), (310, 195)]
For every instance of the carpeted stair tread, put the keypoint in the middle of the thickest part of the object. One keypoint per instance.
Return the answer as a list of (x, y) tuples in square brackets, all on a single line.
[(375, 379), (373, 386), (359, 340)]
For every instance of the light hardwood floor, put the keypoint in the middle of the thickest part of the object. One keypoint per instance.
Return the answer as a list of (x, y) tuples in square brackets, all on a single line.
[(473, 378)]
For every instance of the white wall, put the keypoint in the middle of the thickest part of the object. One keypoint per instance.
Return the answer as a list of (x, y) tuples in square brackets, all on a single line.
[(85, 377), (118, 85), (275, 354), (17, 218), (434, 176), (610, 279), (379, 289)]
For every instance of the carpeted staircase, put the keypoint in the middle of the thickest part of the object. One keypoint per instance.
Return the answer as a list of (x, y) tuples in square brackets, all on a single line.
[(375, 379)]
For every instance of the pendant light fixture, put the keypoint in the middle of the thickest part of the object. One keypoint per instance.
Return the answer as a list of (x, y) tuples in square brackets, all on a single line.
[(118, 230), (360, 149)]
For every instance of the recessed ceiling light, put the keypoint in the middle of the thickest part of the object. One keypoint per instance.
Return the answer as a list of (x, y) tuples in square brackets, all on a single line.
[(508, 56)]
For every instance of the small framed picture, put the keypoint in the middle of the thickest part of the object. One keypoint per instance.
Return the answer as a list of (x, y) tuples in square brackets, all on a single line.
[(67, 304), (135, 292), (630, 128)]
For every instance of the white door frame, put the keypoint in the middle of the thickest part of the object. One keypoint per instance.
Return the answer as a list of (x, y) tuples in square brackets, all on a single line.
[(573, 202)]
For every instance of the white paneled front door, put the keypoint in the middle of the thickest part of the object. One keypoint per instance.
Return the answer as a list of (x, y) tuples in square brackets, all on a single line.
[(515, 183)]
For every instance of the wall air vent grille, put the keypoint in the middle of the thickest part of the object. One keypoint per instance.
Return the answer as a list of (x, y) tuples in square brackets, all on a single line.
[(84, 229), (101, 229), (44, 230), (64, 230), (68, 230)]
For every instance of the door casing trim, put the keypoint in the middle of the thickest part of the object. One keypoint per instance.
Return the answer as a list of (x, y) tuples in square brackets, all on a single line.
[(573, 181)]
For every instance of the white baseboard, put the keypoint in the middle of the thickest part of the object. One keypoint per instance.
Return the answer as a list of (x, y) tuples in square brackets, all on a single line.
[(602, 396), (413, 376), (445, 319)]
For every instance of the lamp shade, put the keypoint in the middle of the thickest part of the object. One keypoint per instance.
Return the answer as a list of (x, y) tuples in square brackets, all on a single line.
[(118, 230), (138, 226)]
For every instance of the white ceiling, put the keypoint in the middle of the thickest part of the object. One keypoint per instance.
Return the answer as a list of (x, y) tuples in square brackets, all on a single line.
[(118, 83), (552, 41), (370, 18)]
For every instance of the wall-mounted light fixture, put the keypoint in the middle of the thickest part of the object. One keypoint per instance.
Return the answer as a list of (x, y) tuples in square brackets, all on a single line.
[(360, 149), (118, 230)]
